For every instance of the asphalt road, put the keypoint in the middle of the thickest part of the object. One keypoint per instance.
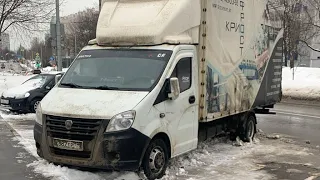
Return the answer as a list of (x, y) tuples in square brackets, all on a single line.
[(300, 121), (14, 158)]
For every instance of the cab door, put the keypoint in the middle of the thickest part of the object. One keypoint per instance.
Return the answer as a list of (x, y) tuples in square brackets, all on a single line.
[(182, 113)]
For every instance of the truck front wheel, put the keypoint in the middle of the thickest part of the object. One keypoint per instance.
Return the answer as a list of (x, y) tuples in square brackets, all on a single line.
[(156, 160), (249, 129)]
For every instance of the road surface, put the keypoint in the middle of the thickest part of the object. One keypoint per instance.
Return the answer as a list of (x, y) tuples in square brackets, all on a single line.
[(14, 158), (299, 121)]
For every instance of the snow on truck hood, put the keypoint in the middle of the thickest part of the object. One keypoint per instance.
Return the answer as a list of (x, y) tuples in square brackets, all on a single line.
[(89, 103)]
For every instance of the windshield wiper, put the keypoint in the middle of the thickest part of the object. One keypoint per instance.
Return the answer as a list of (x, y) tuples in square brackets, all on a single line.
[(106, 88), (72, 85)]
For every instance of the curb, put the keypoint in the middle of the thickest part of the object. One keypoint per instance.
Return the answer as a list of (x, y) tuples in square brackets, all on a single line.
[(15, 133), (311, 103)]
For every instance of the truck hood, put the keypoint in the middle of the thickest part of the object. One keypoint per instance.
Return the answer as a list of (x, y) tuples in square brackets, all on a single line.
[(89, 103)]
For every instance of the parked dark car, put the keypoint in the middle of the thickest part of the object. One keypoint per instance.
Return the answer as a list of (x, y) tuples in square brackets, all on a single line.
[(27, 96)]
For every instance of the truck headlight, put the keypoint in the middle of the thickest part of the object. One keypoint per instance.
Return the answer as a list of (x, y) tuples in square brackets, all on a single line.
[(122, 121), (39, 115)]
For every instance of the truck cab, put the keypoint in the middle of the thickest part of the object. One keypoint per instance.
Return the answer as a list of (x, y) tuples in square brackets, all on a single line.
[(103, 94), (151, 86)]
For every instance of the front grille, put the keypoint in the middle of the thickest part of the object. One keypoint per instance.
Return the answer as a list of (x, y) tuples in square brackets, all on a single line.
[(78, 154), (82, 129)]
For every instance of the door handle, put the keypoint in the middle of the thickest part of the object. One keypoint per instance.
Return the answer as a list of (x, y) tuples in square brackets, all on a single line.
[(192, 99)]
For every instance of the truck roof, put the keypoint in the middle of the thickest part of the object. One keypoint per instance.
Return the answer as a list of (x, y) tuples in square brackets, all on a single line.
[(160, 47), (149, 22)]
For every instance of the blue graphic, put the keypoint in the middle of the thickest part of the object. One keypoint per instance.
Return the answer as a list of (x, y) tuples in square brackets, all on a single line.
[(250, 71)]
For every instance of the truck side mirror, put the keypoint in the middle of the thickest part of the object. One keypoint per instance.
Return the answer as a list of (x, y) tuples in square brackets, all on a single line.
[(174, 88), (57, 78)]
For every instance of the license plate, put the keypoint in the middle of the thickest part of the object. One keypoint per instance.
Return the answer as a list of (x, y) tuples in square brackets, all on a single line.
[(4, 101), (68, 144)]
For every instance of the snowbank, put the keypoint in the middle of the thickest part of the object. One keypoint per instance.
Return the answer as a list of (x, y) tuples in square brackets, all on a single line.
[(214, 159), (27, 68), (305, 86), (48, 69)]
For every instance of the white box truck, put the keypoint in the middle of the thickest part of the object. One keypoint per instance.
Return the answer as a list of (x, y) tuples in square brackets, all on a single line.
[(161, 76)]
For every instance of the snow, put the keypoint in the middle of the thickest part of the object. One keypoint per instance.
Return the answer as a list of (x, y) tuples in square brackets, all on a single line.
[(13, 117), (27, 68), (8, 81), (217, 158), (48, 69), (305, 86)]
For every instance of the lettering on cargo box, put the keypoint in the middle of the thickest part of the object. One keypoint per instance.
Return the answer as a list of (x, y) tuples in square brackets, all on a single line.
[(273, 93), (277, 67), (236, 27), (222, 8), (276, 80), (232, 2), (277, 73), (276, 86), (277, 60)]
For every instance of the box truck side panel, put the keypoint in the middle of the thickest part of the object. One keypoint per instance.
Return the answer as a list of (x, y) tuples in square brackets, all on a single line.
[(239, 53)]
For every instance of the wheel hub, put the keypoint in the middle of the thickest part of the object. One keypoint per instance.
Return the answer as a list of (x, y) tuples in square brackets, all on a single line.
[(36, 105), (251, 129), (156, 160)]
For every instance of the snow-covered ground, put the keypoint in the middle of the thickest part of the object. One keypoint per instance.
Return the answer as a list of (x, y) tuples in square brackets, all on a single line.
[(305, 86), (215, 159)]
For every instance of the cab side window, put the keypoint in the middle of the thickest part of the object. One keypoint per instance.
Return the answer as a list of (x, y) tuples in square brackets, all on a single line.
[(183, 71)]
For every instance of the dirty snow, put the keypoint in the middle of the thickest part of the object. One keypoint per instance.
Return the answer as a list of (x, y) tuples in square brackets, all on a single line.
[(305, 86), (13, 117), (218, 159)]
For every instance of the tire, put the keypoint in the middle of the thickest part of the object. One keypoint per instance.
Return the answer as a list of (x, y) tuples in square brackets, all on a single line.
[(249, 130), (33, 105), (156, 160)]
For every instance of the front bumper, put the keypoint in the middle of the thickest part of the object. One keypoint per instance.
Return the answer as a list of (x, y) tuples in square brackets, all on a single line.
[(15, 104), (121, 151)]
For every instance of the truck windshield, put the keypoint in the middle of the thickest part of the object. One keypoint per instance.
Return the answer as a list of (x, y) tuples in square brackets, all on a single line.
[(110, 69)]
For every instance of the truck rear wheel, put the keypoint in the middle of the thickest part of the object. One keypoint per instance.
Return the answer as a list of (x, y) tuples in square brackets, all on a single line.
[(156, 160), (249, 129)]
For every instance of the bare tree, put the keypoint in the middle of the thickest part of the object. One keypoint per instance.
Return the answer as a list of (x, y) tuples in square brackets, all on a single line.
[(81, 29), (300, 20), (24, 14)]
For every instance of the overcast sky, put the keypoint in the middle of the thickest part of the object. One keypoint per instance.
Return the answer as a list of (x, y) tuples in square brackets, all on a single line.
[(73, 6), (68, 7)]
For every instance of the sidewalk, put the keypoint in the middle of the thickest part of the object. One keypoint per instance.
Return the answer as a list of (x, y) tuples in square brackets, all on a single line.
[(300, 102), (13, 158)]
